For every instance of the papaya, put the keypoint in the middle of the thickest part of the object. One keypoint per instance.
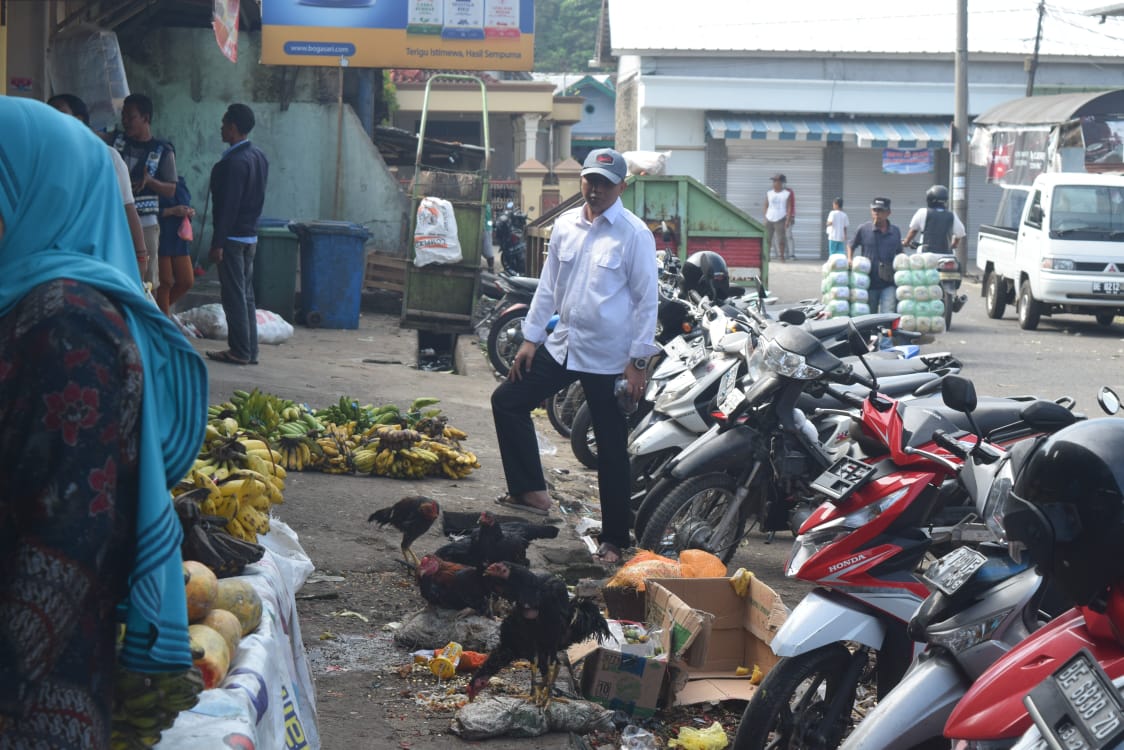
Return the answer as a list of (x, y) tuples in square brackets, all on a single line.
[(227, 626), (209, 653), (237, 596), (202, 588)]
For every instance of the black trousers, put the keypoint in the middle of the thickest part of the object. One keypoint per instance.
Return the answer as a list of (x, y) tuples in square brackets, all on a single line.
[(511, 408)]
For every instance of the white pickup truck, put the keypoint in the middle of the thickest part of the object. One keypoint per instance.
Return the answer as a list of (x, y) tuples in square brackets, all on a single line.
[(1056, 247)]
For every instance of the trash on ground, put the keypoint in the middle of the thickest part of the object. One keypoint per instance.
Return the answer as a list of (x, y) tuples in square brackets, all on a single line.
[(712, 738), (433, 628), (349, 613), (502, 716)]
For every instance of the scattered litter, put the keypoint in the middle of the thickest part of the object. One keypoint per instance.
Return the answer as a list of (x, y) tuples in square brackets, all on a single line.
[(324, 578), (546, 448), (591, 544), (433, 628), (349, 613), (560, 471), (441, 699), (587, 524), (373, 361), (499, 716), (327, 635), (712, 738), (637, 738), (391, 627)]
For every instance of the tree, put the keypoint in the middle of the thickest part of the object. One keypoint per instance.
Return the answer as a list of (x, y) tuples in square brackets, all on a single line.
[(565, 34)]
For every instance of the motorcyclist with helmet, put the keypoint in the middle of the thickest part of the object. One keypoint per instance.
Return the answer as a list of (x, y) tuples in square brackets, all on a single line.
[(942, 228), (706, 274)]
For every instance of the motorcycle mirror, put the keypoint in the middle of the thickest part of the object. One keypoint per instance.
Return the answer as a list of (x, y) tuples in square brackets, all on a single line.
[(1108, 400), (959, 393), (860, 349), (792, 316)]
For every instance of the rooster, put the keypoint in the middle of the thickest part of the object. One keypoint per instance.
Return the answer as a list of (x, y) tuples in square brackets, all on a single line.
[(412, 516), (543, 622), (452, 586), (493, 542)]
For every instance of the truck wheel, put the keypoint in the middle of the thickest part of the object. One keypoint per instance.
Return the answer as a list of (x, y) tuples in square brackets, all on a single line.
[(1029, 309), (1105, 319), (996, 296)]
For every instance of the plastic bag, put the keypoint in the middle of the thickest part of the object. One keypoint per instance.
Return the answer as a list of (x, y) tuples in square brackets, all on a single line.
[(838, 308), (859, 295), (860, 264), (839, 278), (908, 323), (712, 738), (646, 162), (901, 262), (931, 260), (907, 307), (839, 292), (859, 308), (935, 291), (209, 320), (922, 309), (936, 325), (936, 308), (924, 325), (917, 261), (836, 262), (186, 233), (933, 276), (921, 293), (272, 328), (904, 292), (435, 235), (860, 280), (500, 716), (903, 278)]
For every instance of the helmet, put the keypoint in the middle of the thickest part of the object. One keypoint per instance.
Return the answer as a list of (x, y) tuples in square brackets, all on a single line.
[(1067, 508), (937, 195), (705, 272)]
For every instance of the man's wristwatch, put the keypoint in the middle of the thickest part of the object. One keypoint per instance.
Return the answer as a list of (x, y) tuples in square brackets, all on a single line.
[(640, 363)]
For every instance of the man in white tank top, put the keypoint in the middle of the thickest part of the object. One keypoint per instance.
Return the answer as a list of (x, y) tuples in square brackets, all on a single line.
[(778, 218)]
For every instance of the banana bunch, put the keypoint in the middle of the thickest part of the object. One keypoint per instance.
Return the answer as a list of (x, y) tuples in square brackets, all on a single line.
[(257, 411), (337, 445), (242, 477), (144, 705), (295, 441), (453, 462), (411, 462), (206, 540)]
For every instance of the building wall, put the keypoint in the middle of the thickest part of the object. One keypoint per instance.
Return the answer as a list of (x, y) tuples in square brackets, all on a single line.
[(601, 122), (191, 85)]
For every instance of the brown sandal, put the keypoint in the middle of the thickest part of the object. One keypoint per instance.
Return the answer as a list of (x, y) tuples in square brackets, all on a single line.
[(508, 501)]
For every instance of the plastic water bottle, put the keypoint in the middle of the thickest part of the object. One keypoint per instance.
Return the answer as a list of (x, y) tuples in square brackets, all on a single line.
[(444, 664), (624, 401)]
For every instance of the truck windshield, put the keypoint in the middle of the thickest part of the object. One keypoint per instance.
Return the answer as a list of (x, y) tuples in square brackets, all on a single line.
[(1087, 209)]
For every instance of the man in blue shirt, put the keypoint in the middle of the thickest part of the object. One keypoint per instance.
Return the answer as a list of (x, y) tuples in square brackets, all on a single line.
[(880, 241), (238, 186)]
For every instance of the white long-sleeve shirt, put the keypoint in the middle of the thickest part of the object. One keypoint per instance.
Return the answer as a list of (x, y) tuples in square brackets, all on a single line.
[(602, 279)]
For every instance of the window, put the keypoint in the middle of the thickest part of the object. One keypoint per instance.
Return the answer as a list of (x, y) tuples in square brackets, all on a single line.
[(1084, 209), (1011, 207), (590, 109), (1034, 214)]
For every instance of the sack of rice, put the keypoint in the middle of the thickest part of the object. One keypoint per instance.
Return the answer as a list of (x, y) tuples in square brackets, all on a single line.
[(860, 264), (901, 262), (903, 278), (936, 325), (859, 295), (836, 262), (917, 261), (859, 308), (904, 292), (860, 280), (921, 293)]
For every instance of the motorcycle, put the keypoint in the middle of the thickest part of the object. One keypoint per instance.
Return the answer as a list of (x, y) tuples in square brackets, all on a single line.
[(509, 228), (981, 601), (860, 547)]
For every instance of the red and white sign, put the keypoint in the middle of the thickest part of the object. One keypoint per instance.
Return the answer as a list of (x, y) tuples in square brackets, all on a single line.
[(225, 22)]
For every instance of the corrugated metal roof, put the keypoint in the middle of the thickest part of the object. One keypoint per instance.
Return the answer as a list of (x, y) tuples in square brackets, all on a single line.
[(997, 26), (1049, 110)]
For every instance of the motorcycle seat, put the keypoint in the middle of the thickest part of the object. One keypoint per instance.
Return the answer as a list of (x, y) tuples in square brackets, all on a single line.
[(922, 416), (526, 284), (834, 326), (890, 366), (896, 386)]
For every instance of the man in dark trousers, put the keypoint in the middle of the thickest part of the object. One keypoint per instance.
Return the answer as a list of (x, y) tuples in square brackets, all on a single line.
[(238, 187), (601, 277), (880, 241)]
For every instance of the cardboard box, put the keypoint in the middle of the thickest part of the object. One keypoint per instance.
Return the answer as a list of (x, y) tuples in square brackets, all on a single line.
[(631, 682), (733, 632)]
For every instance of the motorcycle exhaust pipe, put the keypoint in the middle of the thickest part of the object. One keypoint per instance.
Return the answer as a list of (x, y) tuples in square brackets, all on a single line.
[(958, 302)]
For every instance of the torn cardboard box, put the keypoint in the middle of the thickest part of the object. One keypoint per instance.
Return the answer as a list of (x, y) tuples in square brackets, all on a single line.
[(737, 633)]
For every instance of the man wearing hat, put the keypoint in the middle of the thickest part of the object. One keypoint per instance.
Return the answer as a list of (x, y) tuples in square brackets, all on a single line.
[(880, 241), (600, 276), (779, 213)]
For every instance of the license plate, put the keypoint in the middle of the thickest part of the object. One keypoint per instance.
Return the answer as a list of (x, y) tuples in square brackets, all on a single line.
[(1077, 707), (728, 381), (1106, 287), (953, 570), (732, 401)]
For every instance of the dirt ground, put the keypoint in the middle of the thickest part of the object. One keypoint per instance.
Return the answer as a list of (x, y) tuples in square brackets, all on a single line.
[(366, 694)]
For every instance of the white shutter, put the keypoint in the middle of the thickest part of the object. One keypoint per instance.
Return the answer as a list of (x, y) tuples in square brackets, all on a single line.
[(983, 202), (751, 164), (864, 179)]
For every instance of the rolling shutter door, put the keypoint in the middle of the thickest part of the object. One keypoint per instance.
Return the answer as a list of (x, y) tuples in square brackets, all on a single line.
[(983, 202), (752, 162), (864, 179)]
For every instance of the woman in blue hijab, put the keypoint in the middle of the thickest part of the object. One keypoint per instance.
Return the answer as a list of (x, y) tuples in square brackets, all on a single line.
[(102, 409)]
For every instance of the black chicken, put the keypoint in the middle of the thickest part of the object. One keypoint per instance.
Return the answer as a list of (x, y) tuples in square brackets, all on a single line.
[(543, 622), (451, 585), (493, 542), (412, 516)]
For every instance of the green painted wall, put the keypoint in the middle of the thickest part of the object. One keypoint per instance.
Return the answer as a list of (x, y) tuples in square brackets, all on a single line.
[(191, 84)]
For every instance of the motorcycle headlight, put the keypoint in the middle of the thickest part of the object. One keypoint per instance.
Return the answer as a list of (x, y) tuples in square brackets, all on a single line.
[(865, 515), (964, 637), (789, 364), (998, 501), (675, 388), (756, 364), (807, 545)]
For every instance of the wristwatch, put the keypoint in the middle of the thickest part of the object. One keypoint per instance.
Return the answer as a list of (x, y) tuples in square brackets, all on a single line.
[(640, 363)]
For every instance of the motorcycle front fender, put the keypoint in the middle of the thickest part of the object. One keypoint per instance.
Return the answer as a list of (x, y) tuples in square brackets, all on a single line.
[(820, 619), (723, 451), (660, 436), (916, 709)]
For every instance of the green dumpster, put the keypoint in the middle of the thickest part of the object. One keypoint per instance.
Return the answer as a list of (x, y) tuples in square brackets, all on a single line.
[(275, 268)]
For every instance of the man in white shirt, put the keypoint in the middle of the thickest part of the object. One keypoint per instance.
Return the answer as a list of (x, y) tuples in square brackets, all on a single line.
[(601, 278), (778, 217), (941, 228)]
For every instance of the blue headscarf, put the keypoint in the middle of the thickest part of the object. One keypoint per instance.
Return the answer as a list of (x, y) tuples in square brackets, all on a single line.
[(62, 215)]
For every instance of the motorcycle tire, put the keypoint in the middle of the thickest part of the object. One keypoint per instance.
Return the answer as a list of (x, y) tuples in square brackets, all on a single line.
[(668, 531), (644, 507), (785, 710), (504, 340), (582, 441), (562, 406)]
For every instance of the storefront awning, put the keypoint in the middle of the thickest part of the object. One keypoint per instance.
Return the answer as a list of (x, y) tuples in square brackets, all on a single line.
[(911, 133)]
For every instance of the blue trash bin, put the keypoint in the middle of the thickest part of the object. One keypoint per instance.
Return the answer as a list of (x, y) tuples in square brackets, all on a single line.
[(332, 269)]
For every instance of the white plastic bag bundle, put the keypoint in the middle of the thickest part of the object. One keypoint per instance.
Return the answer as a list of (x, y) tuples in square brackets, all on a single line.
[(901, 262), (904, 292), (907, 307), (935, 291), (646, 162), (924, 324), (860, 264), (921, 293), (923, 309), (839, 278), (837, 308), (917, 261), (859, 295), (272, 328), (835, 262), (209, 320), (908, 323), (839, 292), (435, 234), (931, 260), (860, 280), (903, 278), (859, 308), (936, 308), (932, 276), (936, 325)]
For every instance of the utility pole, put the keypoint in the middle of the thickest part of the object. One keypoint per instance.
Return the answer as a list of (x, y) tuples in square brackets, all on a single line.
[(960, 127), (1032, 64)]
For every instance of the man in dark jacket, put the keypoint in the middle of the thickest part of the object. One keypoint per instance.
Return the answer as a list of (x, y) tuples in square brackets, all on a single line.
[(238, 188), (880, 241)]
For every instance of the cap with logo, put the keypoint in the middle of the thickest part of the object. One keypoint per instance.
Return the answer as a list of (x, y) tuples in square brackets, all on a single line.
[(606, 162), (880, 204)]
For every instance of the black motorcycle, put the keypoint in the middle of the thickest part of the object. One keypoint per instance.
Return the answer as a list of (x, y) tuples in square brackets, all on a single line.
[(509, 228)]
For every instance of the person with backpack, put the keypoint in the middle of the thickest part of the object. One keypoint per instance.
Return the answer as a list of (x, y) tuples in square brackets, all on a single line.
[(942, 229)]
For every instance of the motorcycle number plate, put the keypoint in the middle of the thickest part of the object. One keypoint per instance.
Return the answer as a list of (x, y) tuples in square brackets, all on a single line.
[(1106, 287), (1077, 707), (728, 381), (731, 402), (952, 571)]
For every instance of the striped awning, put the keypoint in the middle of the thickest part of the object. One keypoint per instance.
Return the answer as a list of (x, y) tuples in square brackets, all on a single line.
[(902, 133)]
